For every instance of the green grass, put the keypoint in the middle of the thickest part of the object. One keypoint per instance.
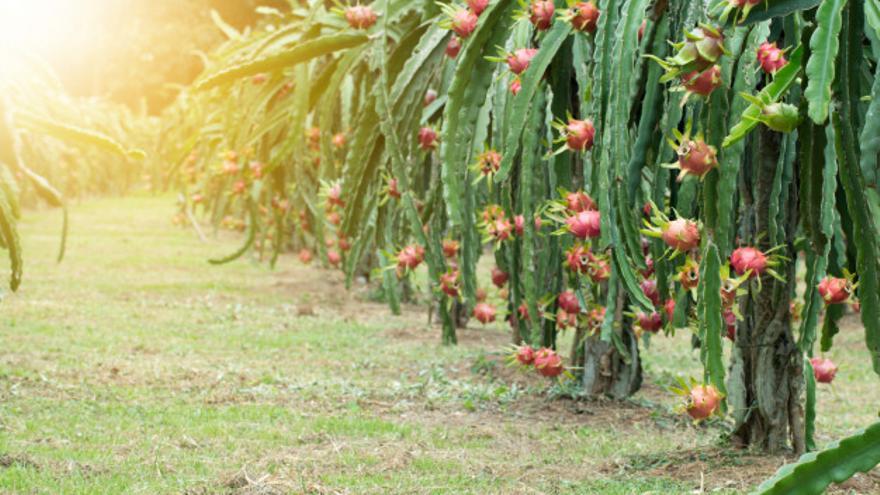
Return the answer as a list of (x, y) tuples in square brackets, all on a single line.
[(136, 367)]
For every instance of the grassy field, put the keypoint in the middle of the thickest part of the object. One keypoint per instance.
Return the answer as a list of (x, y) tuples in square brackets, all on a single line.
[(135, 367)]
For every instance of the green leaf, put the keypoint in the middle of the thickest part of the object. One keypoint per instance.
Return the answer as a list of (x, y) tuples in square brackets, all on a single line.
[(809, 407), (249, 239), (815, 471), (470, 84), (711, 321), (530, 80), (299, 53), (870, 136), (823, 56), (9, 234), (769, 9), (784, 78), (75, 135), (865, 236)]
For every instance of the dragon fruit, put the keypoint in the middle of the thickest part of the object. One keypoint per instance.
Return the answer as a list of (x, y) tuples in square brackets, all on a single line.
[(702, 83), (649, 289), (568, 301), (585, 224), (548, 363), (427, 138), (541, 14), (703, 401), (579, 201), (453, 47), (519, 60), (484, 313), (579, 134), (771, 58), (823, 369), (463, 22), (835, 290), (584, 16), (360, 16), (499, 277)]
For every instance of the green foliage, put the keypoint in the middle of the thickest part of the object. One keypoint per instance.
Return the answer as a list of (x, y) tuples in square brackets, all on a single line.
[(813, 472), (824, 45)]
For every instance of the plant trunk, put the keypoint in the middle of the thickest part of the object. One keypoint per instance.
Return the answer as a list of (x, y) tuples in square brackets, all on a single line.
[(605, 371), (766, 374)]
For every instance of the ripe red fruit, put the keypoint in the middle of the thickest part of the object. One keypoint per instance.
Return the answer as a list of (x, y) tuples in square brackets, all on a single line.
[(313, 135), (478, 6), (427, 138), (430, 96), (577, 259), (523, 311), (333, 258), (230, 167), (239, 187), (823, 369), (499, 277), (585, 224), (481, 294), (702, 83), (334, 195), (410, 257), (525, 355), (541, 14), (681, 234), (305, 255), (453, 47), (649, 267), (695, 157), (596, 317), (599, 270), (519, 224), (649, 322), (579, 134), (669, 307), (259, 78), (515, 86), (449, 283), (834, 290), (392, 189), (585, 16), (500, 229), (703, 401), (256, 169), (649, 289), (569, 303), (748, 258), (360, 16), (338, 140), (484, 313), (770, 57), (565, 319), (343, 243), (197, 198), (489, 162), (464, 22), (730, 321), (519, 60), (689, 276), (548, 363), (334, 218), (579, 201), (642, 27), (450, 248)]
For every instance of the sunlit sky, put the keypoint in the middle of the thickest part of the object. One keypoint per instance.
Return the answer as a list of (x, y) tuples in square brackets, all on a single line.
[(56, 30)]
